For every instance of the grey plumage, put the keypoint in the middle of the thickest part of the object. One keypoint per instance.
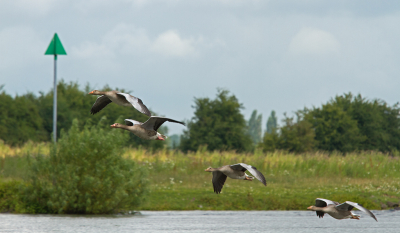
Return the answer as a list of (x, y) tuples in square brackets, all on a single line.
[(119, 98), (235, 171), (338, 210)]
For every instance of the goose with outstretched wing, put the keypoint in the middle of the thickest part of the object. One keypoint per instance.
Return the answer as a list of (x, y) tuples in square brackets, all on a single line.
[(119, 98), (148, 129), (337, 210), (235, 171)]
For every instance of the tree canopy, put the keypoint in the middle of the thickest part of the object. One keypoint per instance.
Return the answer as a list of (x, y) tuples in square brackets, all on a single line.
[(217, 124), (346, 123), (30, 117)]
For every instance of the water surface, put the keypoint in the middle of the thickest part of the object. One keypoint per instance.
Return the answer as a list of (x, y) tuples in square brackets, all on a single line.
[(202, 221)]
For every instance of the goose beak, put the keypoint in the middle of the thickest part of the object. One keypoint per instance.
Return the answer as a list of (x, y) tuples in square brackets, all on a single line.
[(113, 126), (309, 208), (160, 138), (90, 93)]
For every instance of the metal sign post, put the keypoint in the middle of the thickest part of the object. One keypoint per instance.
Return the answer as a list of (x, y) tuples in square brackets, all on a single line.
[(55, 48)]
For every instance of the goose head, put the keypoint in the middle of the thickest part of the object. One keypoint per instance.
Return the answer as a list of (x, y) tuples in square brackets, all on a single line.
[(94, 92), (116, 125), (209, 169)]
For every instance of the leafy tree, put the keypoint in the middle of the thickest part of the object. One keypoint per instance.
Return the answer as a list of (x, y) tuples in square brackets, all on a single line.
[(86, 174), (271, 141), (255, 127), (335, 129), (377, 122), (294, 136), (347, 123), (217, 124), (20, 119), (29, 117), (272, 122)]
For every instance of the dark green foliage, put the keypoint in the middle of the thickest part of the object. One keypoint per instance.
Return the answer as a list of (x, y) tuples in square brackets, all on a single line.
[(346, 123), (272, 122), (86, 174), (217, 124), (349, 123), (254, 125), (29, 117), (295, 137), (335, 129), (10, 200), (20, 119), (271, 141)]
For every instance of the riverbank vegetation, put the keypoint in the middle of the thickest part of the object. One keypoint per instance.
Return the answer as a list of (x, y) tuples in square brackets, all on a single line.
[(347, 149), (177, 181), (85, 173)]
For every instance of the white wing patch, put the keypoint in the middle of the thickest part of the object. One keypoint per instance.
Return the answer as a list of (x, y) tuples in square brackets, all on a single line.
[(131, 122), (136, 103)]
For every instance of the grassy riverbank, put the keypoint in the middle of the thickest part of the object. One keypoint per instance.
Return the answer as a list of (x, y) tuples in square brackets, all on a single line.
[(178, 181)]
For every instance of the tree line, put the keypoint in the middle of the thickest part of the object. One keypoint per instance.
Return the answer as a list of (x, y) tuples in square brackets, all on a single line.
[(30, 116), (345, 123)]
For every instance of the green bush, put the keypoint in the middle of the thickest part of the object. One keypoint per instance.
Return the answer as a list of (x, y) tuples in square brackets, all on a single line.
[(10, 200), (85, 173)]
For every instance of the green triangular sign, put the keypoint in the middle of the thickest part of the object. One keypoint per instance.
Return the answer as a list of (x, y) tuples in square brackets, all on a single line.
[(55, 47)]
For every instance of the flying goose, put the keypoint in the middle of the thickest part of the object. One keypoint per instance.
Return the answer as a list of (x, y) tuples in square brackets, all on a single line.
[(147, 130), (337, 210), (119, 98), (235, 171)]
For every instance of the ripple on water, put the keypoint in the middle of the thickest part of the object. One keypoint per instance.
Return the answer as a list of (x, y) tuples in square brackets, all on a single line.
[(201, 221)]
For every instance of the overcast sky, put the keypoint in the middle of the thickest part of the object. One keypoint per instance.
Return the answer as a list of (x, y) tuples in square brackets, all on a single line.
[(272, 54)]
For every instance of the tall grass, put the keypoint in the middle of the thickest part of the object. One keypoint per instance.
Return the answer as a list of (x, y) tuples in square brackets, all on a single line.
[(294, 181), (178, 180), (276, 164)]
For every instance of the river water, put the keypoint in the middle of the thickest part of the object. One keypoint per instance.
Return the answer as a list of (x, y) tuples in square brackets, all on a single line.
[(202, 221)]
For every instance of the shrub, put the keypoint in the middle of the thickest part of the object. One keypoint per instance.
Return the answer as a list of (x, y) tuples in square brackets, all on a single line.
[(10, 200), (85, 173)]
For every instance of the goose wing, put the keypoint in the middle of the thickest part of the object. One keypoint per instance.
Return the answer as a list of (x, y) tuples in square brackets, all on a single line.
[(218, 181), (253, 170), (348, 206), (154, 122), (130, 122), (136, 103), (101, 102), (320, 202)]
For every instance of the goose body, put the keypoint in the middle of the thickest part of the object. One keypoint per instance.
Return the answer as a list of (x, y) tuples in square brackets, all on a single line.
[(119, 98), (235, 171), (148, 129), (337, 210)]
